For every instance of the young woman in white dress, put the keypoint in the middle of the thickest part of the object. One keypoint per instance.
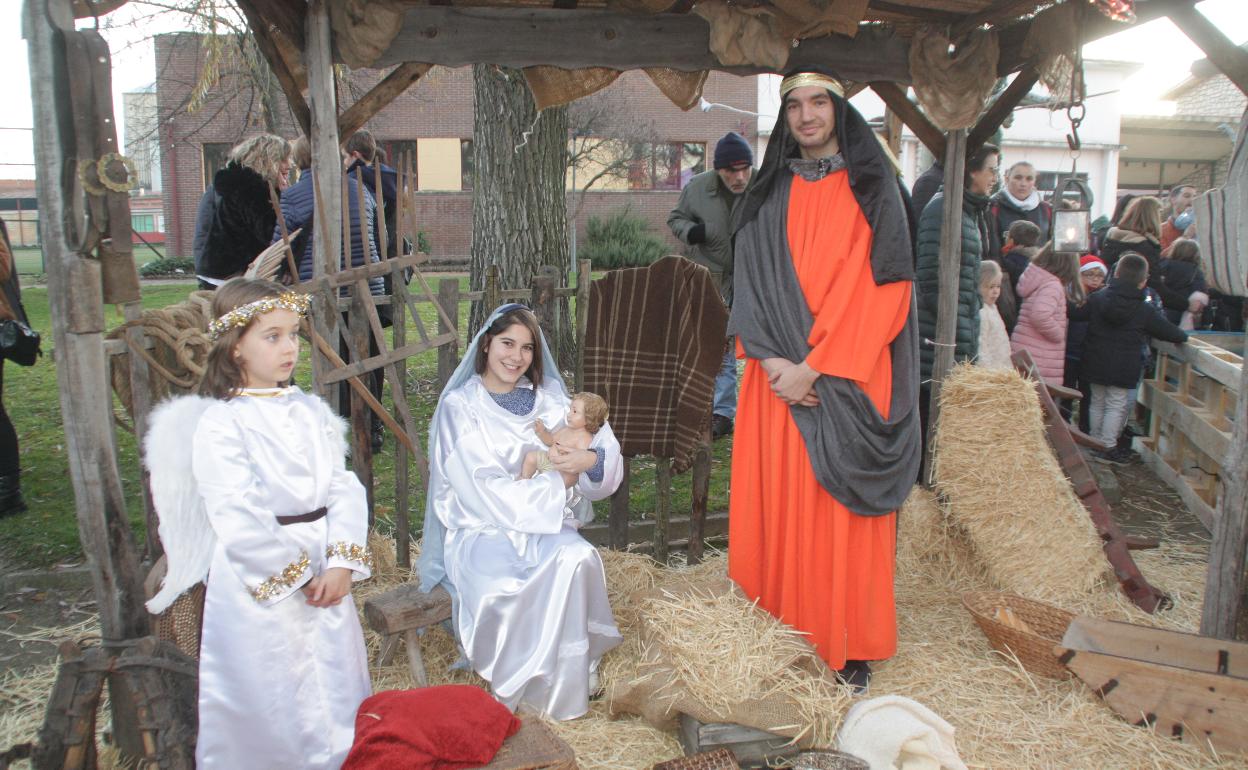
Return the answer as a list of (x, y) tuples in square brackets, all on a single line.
[(253, 495), (530, 608)]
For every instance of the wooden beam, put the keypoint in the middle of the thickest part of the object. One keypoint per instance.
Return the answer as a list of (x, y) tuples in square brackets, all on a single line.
[(995, 115), (524, 37), (263, 33), (895, 98), (1225, 55), (1224, 581), (378, 97), (950, 263)]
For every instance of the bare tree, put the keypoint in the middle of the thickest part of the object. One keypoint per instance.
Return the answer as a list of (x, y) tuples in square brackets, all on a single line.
[(604, 131)]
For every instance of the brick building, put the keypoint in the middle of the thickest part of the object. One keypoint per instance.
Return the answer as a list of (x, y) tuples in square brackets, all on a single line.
[(432, 123), (1192, 146)]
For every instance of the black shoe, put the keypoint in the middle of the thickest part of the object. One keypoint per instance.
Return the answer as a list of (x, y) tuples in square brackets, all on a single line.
[(1116, 456), (720, 426), (856, 675), (11, 502), (378, 437)]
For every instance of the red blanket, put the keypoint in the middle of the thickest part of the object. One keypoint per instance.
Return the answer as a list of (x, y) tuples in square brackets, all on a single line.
[(432, 728)]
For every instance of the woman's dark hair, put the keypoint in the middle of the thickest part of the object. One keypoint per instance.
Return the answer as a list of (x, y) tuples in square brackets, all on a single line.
[(1063, 265), (976, 160), (223, 377), (1120, 208), (515, 315)]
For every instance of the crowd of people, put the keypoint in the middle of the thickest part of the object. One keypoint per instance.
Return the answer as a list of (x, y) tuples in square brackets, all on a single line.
[(1085, 319)]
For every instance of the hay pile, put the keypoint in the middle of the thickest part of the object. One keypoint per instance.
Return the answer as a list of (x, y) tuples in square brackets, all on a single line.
[(1008, 494)]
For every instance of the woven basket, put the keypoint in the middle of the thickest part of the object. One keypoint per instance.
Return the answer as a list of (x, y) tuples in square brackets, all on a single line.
[(720, 759), (534, 747), (827, 760), (1033, 649)]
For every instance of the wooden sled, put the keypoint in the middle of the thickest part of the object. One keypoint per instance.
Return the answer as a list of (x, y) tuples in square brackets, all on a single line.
[(1116, 544), (1189, 687)]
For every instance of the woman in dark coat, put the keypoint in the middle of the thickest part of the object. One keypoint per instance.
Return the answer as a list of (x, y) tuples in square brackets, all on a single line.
[(11, 501), (236, 217), (1139, 231)]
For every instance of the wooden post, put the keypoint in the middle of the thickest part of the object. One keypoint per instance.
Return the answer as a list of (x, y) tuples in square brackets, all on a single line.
[(448, 355), (141, 409), (895, 98), (490, 297), (662, 507), (583, 280), (402, 530), (1228, 57), (1224, 581), (544, 303), (950, 262), (75, 296), (617, 522), (327, 173), (700, 496)]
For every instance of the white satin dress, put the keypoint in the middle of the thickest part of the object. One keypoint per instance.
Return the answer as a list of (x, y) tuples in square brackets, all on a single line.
[(279, 680), (531, 607)]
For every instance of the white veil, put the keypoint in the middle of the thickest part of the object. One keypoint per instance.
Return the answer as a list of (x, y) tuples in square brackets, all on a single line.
[(430, 565)]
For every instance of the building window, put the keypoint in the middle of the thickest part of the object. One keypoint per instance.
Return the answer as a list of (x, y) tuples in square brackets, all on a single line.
[(216, 155), (465, 164), (400, 152), (664, 165), (143, 223), (1047, 181)]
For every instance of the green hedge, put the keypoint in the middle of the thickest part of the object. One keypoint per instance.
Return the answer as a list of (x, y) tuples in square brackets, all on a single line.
[(621, 239), (168, 267)]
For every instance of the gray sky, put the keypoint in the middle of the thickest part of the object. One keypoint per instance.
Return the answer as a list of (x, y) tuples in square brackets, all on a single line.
[(1165, 52)]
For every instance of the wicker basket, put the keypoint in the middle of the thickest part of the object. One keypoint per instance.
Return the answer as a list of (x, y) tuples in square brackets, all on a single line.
[(827, 760), (720, 759), (1027, 628), (182, 622), (534, 747)]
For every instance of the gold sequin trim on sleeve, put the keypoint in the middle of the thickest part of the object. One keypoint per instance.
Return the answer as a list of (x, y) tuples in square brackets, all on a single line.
[(283, 580), (350, 552)]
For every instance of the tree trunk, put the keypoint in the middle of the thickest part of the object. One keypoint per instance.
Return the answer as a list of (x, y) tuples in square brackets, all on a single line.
[(519, 210)]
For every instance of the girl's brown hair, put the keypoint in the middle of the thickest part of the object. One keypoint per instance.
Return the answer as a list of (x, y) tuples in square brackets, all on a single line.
[(1185, 250), (1143, 216), (223, 377), (517, 314), (1064, 265)]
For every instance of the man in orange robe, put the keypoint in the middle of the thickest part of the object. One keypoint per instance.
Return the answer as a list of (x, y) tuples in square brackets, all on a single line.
[(827, 440)]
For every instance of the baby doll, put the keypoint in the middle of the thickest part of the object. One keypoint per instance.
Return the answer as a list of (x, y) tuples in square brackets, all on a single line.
[(586, 415)]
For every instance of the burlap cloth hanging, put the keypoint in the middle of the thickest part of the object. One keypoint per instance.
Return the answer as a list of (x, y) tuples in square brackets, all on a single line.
[(953, 89), (1052, 40)]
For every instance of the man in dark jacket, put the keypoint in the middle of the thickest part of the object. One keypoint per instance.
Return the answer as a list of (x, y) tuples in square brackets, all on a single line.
[(926, 187), (1019, 199), (1120, 324), (702, 219)]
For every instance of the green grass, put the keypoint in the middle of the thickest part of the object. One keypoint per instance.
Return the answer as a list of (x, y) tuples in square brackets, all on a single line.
[(48, 533), (29, 259)]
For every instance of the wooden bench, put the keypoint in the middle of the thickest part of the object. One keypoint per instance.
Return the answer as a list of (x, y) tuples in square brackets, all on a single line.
[(405, 611)]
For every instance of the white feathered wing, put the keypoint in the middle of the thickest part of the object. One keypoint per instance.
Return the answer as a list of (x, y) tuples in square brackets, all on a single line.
[(185, 533)]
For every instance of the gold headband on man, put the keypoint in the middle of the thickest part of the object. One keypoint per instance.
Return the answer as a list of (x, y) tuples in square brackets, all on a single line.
[(799, 79), (242, 315)]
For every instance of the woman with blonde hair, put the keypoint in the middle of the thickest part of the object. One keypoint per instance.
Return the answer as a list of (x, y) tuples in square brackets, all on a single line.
[(236, 218), (1139, 231)]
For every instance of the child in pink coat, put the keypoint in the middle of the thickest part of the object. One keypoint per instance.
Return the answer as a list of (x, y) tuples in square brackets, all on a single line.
[(1041, 329)]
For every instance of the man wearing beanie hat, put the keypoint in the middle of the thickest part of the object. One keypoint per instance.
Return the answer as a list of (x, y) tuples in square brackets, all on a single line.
[(702, 220), (826, 445)]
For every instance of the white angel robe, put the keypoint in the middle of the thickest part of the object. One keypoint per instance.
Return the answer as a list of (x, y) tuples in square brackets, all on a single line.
[(531, 609), (279, 680)]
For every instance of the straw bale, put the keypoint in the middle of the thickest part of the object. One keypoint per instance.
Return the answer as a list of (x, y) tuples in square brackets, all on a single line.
[(1007, 492)]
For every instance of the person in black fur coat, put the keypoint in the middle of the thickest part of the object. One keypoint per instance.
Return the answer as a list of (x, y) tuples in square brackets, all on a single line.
[(235, 219)]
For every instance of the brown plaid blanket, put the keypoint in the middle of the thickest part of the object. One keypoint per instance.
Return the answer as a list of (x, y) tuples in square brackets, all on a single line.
[(653, 344)]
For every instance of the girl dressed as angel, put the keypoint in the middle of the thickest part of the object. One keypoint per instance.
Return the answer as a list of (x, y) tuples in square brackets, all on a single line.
[(253, 495)]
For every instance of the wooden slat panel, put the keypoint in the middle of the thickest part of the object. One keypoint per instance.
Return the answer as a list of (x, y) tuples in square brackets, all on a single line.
[(1155, 645)]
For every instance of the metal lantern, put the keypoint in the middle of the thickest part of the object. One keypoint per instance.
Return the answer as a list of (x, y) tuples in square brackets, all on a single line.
[(1072, 217)]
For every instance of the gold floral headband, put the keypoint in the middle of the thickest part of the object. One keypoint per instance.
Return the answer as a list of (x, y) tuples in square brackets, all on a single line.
[(242, 315), (799, 79)]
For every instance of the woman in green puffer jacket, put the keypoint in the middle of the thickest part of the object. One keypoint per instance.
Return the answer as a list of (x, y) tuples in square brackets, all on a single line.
[(981, 176)]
